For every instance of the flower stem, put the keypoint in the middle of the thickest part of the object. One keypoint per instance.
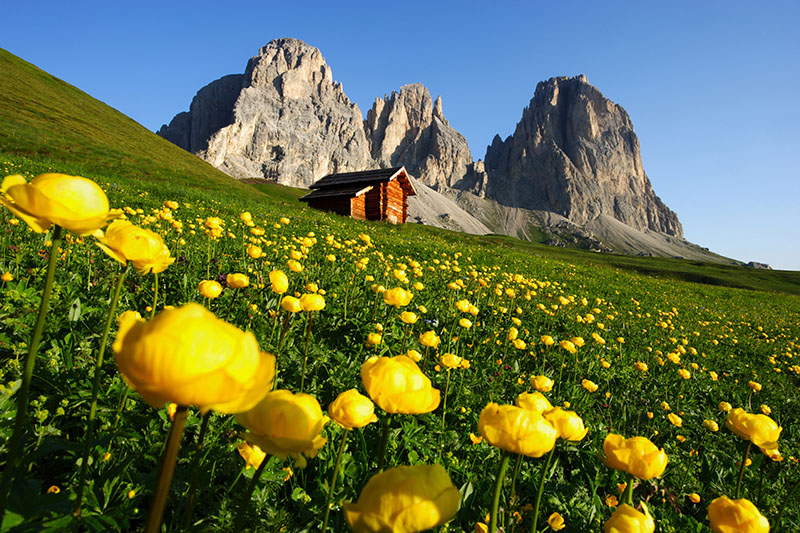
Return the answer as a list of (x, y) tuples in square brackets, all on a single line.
[(305, 356), (20, 423), (198, 452), (387, 420), (247, 494), (627, 496), (95, 392), (498, 486), (333, 481), (741, 469), (444, 404), (166, 470), (513, 499), (155, 295), (540, 491)]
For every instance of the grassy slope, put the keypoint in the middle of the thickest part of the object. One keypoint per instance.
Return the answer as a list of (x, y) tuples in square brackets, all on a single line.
[(46, 124)]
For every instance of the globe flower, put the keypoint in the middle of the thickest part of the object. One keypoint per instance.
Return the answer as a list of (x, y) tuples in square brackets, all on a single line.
[(711, 425), (429, 339), (252, 455), (547, 340), (312, 302), (533, 402), (414, 355), (397, 385), (285, 424), (188, 356), (374, 339), (725, 406), (398, 297), (450, 360), (209, 288), (124, 242), (75, 203), (517, 430), (590, 386), (351, 409), (637, 456), (640, 366), (408, 317), (404, 499), (675, 420), (512, 334), (568, 424), (626, 519), (255, 251), (237, 281), (568, 346), (761, 430), (295, 266), (278, 281), (556, 522), (291, 304), (542, 383), (736, 516)]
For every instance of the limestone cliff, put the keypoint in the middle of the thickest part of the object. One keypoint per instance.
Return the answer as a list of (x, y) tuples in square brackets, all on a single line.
[(408, 128), (574, 152), (284, 119)]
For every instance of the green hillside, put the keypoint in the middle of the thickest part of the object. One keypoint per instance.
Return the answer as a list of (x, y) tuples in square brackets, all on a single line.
[(47, 124)]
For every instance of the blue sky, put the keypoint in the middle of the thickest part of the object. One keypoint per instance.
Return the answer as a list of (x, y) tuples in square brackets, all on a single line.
[(711, 87)]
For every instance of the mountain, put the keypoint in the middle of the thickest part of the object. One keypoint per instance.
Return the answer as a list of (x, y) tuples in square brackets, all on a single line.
[(574, 153), (571, 174)]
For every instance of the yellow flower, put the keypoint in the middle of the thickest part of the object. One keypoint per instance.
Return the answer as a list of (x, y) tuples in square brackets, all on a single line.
[(568, 346), (291, 304), (450, 360), (76, 204), (685, 374), (404, 499), (542, 383), (397, 385), (547, 340), (7, 276), (294, 266), (255, 251), (725, 406), (694, 497), (755, 386), (429, 339), (278, 281), (626, 519), (640, 366), (284, 221), (237, 281), (598, 339), (577, 341), (517, 430), (711, 425), (637, 456), (569, 425), (351, 409), (209, 288), (286, 424), (414, 355), (766, 409), (512, 334), (53, 489), (125, 242), (398, 297), (373, 339), (312, 302), (252, 455), (408, 317), (736, 516), (675, 420), (761, 430), (612, 500), (476, 439), (533, 402), (462, 305), (188, 356), (556, 522), (172, 204), (480, 527), (591, 386)]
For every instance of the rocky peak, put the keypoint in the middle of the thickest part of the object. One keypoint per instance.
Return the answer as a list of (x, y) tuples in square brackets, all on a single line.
[(408, 128), (284, 119), (574, 152)]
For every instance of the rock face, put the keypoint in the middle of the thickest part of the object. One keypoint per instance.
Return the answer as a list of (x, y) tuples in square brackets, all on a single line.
[(284, 119), (408, 128), (574, 153)]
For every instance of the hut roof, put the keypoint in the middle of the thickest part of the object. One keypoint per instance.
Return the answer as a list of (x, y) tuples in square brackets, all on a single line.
[(333, 192), (352, 184)]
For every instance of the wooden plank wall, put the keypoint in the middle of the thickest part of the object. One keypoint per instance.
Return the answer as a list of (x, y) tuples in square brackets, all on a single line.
[(358, 207), (395, 203), (374, 208), (340, 206)]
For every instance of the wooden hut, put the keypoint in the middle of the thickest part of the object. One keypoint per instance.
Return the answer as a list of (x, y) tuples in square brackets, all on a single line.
[(368, 195)]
